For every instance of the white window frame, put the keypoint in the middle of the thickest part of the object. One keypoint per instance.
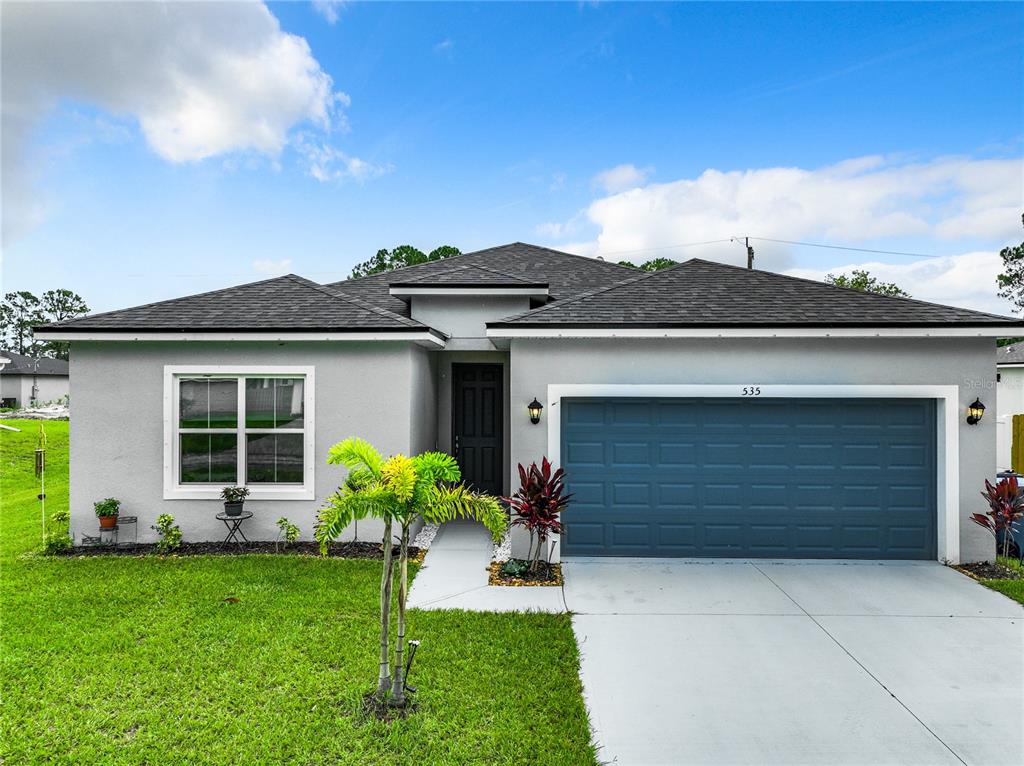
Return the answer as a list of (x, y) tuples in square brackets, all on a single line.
[(175, 490)]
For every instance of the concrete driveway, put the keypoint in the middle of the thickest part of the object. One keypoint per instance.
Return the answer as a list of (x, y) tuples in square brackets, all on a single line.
[(736, 662)]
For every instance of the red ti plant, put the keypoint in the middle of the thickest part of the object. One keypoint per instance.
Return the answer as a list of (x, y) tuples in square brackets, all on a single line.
[(1006, 505), (537, 504)]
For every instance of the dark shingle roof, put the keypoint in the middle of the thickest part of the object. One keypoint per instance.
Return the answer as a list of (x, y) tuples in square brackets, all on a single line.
[(288, 303), (1011, 354), (565, 274), (464, 276), (20, 364), (700, 293)]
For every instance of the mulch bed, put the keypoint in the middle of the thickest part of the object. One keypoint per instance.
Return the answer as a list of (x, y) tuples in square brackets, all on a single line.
[(385, 712), (547, 574), (989, 570), (349, 550)]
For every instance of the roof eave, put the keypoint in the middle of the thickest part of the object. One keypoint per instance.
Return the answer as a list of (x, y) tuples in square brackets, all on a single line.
[(650, 330), (423, 335)]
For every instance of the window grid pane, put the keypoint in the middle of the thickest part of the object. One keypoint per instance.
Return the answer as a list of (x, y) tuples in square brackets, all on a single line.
[(209, 458), (207, 403), (274, 458)]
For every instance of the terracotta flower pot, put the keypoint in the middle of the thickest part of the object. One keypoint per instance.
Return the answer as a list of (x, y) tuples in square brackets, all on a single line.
[(108, 522)]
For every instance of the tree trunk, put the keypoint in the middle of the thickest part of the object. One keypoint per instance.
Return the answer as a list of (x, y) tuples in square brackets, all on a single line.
[(384, 677), (398, 686)]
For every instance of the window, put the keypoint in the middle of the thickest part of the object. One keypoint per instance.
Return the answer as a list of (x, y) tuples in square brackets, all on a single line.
[(249, 427)]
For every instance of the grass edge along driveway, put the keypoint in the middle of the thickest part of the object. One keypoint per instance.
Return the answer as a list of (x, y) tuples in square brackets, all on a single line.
[(141, 660)]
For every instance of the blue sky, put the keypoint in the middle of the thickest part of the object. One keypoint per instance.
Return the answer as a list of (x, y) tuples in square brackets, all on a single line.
[(619, 130)]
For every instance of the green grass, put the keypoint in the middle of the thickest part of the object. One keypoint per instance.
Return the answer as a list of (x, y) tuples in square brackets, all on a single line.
[(140, 660), (1012, 588)]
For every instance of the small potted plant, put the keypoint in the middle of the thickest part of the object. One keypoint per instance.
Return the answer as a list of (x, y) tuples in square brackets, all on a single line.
[(234, 499), (107, 511)]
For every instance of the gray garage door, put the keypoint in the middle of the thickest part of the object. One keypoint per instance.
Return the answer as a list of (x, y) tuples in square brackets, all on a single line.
[(785, 478)]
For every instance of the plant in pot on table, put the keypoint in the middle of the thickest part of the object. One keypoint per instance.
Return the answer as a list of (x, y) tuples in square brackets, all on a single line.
[(107, 511), (234, 499)]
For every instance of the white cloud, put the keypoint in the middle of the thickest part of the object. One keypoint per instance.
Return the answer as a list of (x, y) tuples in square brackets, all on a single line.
[(966, 280), (865, 200), (855, 201), (445, 46), (200, 79), (621, 177), (329, 9), (328, 163), (272, 268)]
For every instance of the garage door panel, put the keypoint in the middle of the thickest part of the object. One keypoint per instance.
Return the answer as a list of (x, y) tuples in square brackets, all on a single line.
[(802, 478)]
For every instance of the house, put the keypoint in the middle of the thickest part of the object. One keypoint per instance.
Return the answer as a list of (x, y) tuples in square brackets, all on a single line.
[(703, 410), (1009, 397), (26, 381)]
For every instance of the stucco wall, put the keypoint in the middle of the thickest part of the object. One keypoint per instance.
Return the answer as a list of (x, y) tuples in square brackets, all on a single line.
[(465, 316), (968, 363), (117, 426)]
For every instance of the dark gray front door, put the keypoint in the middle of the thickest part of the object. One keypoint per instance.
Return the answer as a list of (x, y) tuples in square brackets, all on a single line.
[(477, 438), (771, 478)]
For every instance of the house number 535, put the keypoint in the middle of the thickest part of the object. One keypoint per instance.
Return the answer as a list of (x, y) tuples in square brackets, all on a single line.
[(751, 390)]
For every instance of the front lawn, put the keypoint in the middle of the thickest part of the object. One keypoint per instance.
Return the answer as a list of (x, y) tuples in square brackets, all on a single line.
[(142, 660), (1012, 588)]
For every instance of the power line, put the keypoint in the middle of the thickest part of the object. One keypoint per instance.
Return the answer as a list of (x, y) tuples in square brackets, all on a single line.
[(844, 247)]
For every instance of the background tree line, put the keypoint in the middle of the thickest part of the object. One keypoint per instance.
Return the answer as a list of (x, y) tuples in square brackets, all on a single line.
[(21, 311)]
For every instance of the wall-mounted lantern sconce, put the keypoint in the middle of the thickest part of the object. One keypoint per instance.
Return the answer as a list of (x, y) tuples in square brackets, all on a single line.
[(534, 409), (975, 411)]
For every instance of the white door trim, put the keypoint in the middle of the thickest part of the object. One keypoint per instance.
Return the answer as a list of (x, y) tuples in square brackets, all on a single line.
[(947, 427)]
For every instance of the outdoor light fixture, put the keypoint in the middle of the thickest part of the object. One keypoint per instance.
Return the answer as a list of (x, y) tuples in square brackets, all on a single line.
[(534, 408), (975, 411)]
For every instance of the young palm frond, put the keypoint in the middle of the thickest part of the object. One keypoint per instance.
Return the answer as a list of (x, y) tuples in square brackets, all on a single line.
[(399, 473), (356, 453), (345, 506), (448, 503)]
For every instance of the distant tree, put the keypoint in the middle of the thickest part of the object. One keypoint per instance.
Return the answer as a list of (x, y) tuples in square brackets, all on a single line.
[(58, 305), (655, 264), (403, 255), (859, 279), (21, 311), (1011, 281)]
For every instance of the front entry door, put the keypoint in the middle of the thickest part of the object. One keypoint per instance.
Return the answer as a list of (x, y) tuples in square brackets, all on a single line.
[(476, 424)]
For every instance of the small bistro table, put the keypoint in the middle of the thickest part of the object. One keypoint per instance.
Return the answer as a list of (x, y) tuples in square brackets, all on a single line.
[(234, 527)]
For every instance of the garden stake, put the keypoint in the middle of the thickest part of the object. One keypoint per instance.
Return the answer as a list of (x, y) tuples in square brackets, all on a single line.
[(41, 473), (408, 665)]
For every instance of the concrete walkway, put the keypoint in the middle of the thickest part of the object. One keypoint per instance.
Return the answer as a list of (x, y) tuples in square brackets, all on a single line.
[(455, 571)]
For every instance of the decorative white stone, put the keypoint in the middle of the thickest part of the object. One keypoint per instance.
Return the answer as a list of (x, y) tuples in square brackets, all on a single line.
[(503, 550), (426, 536)]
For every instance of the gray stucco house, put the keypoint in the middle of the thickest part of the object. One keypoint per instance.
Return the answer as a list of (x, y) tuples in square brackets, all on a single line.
[(27, 380), (703, 410)]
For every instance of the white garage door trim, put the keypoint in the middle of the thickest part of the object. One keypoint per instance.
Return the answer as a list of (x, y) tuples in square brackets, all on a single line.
[(947, 427)]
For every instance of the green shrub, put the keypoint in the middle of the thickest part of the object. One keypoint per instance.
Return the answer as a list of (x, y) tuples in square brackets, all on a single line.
[(289, 531), (62, 516), (55, 542), (515, 568), (170, 533)]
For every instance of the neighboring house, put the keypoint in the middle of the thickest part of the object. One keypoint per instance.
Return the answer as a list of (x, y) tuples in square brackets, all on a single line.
[(702, 410), (27, 380), (1009, 397)]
